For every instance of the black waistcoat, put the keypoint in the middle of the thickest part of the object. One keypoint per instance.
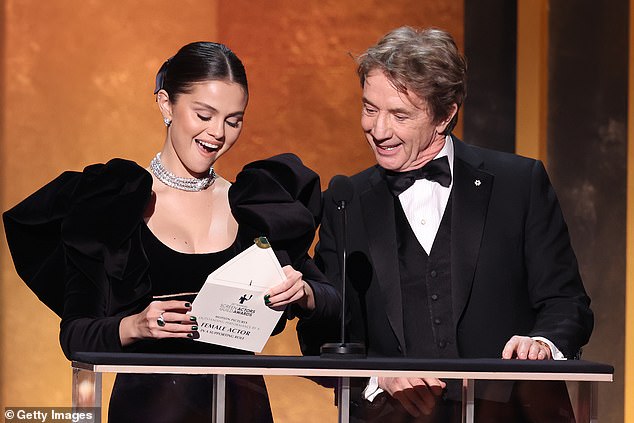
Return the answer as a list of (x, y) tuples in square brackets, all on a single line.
[(426, 290)]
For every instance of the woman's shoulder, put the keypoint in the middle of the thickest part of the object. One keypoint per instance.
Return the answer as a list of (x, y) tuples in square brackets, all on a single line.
[(101, 202), (106, 207), (115, 183), (117, 172), (73, 187), (87, 214), (279, 198)]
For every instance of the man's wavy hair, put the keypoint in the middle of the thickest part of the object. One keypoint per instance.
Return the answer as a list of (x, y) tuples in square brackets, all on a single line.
[(424, 62)]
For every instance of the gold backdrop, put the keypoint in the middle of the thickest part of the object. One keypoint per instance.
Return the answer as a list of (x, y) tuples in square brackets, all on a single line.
[(77, 82)]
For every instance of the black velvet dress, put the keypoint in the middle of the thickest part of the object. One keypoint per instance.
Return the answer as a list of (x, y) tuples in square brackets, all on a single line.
[(183, 398), (81, 245)]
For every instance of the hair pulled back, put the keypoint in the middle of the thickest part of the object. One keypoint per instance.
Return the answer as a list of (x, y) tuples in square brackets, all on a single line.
[(199, 62)]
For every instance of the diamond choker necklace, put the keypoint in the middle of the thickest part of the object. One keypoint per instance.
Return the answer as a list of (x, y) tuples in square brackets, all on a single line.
[(184, 184)]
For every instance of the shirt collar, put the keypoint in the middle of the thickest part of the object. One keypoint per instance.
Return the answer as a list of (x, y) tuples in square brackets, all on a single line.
[(447, 150)]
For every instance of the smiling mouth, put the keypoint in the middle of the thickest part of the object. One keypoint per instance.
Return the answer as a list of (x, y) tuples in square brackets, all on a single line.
[(208, 146), (387, 147)]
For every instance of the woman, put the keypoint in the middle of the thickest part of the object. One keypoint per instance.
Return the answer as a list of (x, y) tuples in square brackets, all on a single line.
[(119, 251)]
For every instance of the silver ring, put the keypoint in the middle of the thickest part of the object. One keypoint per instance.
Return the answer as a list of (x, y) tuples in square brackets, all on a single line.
[(160, 321)]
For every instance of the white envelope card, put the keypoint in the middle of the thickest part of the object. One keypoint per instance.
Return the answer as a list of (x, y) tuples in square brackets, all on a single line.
[(230, 308)]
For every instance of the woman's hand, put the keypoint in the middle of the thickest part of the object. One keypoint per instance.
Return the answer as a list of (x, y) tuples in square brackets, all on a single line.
[(160, 319), (293, 290)]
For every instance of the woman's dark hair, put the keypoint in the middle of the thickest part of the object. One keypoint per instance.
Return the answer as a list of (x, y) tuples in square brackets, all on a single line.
[(198, 62)]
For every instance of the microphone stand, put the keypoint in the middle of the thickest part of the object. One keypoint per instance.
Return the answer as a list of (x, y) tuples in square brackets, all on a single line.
[(343, 349)]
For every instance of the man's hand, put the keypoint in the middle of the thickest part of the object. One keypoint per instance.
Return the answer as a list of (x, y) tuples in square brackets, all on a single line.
[(526, 348), (418, 396)]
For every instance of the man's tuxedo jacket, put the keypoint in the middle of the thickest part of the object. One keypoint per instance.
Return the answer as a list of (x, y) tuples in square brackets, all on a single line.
[(513, 270)]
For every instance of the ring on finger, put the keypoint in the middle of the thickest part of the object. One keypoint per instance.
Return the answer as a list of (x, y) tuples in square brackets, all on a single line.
[(160, 321)]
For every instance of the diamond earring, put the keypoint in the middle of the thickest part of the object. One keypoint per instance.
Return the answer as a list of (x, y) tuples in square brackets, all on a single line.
[(167, 122)]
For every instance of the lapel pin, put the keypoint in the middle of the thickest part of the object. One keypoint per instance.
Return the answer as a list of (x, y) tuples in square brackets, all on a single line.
[(477, 182)]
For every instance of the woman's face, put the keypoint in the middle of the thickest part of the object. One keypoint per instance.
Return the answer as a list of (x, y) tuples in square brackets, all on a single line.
[(206, 122)]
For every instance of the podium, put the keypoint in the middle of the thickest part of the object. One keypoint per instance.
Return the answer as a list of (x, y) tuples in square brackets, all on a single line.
[(88, 367)]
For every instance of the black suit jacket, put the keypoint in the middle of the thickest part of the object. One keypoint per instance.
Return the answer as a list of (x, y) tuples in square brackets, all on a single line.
[(513, 270)]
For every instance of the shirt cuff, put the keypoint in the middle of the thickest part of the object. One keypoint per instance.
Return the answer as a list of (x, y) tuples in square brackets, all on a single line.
[(372, 390), (554, 351)]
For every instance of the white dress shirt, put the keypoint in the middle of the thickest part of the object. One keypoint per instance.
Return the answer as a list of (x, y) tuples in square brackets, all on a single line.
[(425, 201)]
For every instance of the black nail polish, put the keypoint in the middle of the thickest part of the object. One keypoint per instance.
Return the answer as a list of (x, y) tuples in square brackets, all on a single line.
[(188, 305), (192, 318), (194, 327), (190, 335)]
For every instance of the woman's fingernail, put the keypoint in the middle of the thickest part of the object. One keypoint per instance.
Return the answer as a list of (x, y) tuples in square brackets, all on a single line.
[(188, 305), (192, 318), (190, 335), (194, 327)]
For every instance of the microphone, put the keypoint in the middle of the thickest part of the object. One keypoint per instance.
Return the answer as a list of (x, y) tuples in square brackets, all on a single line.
[(342, 193)]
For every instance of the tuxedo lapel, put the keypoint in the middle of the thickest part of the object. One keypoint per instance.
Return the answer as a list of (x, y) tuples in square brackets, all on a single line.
[(471, 193), (377, 205)]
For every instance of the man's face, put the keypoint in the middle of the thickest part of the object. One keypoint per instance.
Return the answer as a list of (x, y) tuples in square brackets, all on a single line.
[(397, 126)]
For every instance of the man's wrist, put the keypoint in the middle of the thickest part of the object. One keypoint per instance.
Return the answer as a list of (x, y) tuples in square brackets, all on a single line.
[(555, 354)]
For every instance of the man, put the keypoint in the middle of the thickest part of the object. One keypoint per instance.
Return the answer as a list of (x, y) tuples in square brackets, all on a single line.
[(469, 258)]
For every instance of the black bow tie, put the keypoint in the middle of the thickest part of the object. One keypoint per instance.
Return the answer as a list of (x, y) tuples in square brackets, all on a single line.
[(436, 170)]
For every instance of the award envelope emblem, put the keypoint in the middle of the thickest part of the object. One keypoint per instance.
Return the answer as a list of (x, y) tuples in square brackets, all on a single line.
[(224, 308), (244, 298)]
